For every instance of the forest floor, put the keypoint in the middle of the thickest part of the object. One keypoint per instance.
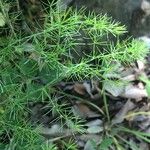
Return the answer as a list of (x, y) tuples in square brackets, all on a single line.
[(95, 115)]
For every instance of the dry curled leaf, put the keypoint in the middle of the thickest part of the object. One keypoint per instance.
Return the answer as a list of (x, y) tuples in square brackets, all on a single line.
[(133, 92), (88, 88), (79, 88), (83, 111)]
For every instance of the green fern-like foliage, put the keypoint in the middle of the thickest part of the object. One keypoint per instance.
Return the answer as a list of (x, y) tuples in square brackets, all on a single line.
[(71, 45)]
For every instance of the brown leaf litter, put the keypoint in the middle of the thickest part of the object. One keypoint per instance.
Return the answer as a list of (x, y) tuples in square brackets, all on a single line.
[(127, 100)]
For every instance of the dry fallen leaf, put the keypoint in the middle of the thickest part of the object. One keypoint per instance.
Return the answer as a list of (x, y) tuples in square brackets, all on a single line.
[(81, 110), (55, 131), (86, 137), (95, 126), (141, 65), (79, 88), (133, 92), (140, 117), (120, 116), (88, 88), (128, 78), (96, 122), (114, 88), (95, 129)]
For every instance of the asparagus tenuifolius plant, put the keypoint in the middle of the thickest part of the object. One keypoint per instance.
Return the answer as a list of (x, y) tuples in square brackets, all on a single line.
[(31, 65)]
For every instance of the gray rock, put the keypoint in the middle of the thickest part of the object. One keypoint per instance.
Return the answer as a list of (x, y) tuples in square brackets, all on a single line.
[(135, 14), (63, 4)]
